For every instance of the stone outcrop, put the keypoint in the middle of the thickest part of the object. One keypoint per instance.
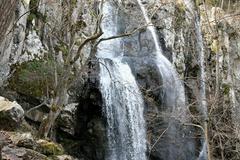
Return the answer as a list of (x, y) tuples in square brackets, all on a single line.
[(11, 114), (21, 154), (23, 146), (7, 9)]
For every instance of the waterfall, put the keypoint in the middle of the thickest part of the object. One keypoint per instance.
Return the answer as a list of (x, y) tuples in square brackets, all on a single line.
[(178, 141), (122, 98), (173, 90), (202, 96), (204, 154)]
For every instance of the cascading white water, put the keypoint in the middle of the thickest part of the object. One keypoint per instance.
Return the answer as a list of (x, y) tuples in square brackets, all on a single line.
[(172, 87), (124, 112), (202, 92), (177, 142), (122, 98), (202, 95)]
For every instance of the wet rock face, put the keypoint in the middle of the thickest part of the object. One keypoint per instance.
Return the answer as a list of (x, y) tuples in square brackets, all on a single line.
[(90, 128), (11, 114)]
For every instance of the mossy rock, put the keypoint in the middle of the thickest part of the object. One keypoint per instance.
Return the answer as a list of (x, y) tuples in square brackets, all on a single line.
[(34, 78), (226, 88), (208, 2), (49, 148)]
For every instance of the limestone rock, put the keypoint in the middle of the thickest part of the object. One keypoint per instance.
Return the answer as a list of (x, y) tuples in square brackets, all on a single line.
[(11, 114), (25, 140), (16, 153)]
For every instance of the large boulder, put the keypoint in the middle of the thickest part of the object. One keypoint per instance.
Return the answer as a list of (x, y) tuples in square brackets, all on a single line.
[(11, 114)]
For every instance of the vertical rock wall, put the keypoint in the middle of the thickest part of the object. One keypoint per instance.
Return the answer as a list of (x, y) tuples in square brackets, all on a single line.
[(7, 9)]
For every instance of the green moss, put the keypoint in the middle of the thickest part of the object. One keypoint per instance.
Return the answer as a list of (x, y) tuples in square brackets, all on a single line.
[(209, 2), (50, 148), (212, 2), (54, 108), (31, 17), (74, 2), (34, 13), (34, 78), (180, 15), (226, 88)]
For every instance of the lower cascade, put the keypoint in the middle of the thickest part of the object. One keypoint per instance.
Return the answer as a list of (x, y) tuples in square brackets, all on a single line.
[(124, 112)]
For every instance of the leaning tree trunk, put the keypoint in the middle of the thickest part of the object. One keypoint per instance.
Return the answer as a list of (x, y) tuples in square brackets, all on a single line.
[(48, 123), (57, 105)]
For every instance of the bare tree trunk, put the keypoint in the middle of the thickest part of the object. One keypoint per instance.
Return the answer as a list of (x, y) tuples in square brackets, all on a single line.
[(47, 125), (56, 107)]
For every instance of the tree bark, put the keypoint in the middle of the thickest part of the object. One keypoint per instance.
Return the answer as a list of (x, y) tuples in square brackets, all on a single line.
[(56, 107)]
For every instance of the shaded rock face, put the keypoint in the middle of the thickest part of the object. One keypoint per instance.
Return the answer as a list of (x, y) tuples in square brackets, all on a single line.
[(12, 45), (81, 126), (67, 119), (11, 114), (7, 9), (90, 124)]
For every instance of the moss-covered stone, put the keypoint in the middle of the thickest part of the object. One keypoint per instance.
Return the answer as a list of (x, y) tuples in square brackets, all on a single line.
[(212, 2), (226, 88), (208, 2), (50, 148), (34, 78)]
